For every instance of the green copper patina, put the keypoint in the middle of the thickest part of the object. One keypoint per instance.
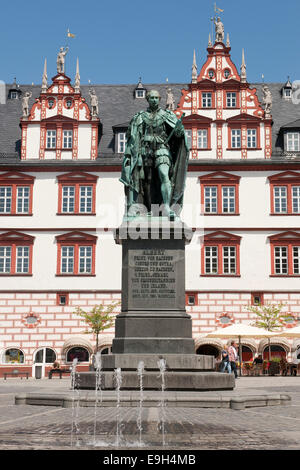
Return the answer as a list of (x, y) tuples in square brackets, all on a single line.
[(155, 161)]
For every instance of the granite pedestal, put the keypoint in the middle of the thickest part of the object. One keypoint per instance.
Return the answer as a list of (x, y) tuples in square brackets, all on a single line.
[(153, 323)]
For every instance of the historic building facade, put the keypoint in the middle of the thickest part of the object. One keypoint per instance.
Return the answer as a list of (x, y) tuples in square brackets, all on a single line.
[(61, 199)]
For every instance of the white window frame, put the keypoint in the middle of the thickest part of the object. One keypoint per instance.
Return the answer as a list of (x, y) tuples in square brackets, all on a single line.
[(211, 259), (231, 99), (51, 139), (68, 199), (296, 259), (206, 99), (251, 138), (5, 259), (287, 93), (202, 138), (188, 133), (23, 199), (67, 259), (296, 199), (236, 138), (293, 141), (22, 259), (229, 258), (121, 142), (5, 199), (140, 93), (280, 199), (211, 199), (67, 139), (228, 199), (281, 260), (85, 259), (85, 199)]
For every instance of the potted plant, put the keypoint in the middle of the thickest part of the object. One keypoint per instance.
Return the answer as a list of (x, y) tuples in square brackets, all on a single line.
[(274, 367)]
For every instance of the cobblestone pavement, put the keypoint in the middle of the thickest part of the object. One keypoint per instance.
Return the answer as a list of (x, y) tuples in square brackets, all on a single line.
[(47, 427)]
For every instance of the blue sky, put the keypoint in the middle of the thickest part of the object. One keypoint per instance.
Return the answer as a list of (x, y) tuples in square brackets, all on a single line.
[(118, 41)]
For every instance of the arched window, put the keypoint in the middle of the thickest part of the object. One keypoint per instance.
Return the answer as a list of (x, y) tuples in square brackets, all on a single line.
[(45, 356), (79, 353), (208, 350), (276, 351), (106, 350), (13, 356), (247, 353)]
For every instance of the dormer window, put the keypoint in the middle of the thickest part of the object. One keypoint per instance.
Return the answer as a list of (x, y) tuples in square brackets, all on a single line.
[(287, 90), (292, 140), (121, 142), (140, 93), (211, 73), (50, 103), (226, 73), (14, 92)]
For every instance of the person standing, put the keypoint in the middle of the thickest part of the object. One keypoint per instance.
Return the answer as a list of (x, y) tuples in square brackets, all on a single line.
[(225, 364), (233, 357)]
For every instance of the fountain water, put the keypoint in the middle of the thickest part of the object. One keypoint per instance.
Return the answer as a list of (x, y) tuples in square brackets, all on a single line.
[(162, 367), (118, 380), (75, 411), (140, 371), (98, 365)]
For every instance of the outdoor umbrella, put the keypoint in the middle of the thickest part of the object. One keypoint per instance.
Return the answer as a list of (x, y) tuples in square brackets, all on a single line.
[(240, 330)]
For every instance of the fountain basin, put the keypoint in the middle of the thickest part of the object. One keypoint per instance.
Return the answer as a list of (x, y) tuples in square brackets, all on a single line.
[(174, 380), (152, 400)]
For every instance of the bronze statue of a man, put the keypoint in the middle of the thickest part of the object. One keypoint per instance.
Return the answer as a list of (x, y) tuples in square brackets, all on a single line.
[(155, 160)]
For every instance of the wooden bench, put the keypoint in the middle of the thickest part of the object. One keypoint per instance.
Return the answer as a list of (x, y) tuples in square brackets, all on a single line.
[(16, 373), (58, 371)]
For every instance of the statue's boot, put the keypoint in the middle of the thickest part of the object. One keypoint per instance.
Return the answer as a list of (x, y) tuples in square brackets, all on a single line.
[(166, 189)]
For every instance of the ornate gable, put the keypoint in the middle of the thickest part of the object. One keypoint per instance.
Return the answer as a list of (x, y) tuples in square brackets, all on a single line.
[(59, 119), (222, 95)]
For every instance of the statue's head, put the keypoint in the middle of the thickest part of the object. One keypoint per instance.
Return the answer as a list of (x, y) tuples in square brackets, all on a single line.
[(153, 98), (61, 49)]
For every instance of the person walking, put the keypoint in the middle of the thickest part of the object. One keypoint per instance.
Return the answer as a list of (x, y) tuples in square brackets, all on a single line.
[(225, 363), (233, 357)]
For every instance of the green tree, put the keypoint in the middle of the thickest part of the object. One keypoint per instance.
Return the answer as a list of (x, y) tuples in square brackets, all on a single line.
[(268, 316), (98, 319)]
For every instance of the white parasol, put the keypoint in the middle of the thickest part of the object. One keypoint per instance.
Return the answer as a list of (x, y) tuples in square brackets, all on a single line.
[(241, 330)]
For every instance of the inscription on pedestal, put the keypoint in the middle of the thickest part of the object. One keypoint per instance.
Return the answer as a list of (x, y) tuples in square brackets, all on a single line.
[(153, 275)]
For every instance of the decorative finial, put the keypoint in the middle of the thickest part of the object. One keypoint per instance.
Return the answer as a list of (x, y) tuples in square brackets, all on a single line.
[(243, 69), (44, 79), (194, 69), (209, 41), (227, 41), (77, 78)]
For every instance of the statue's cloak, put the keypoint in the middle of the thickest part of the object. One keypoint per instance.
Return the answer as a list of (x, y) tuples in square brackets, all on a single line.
[(132, 168)]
